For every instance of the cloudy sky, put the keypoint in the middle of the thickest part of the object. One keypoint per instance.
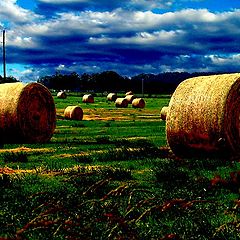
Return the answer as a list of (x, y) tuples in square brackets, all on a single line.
[(126, 36)]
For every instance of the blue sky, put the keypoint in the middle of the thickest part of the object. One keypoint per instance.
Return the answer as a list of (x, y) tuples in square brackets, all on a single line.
[(127, 36)]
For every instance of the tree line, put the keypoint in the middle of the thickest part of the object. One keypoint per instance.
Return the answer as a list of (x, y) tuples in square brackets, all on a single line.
[(110, 81)]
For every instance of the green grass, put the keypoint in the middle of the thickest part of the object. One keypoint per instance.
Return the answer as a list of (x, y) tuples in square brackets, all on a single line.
[(112, 176)]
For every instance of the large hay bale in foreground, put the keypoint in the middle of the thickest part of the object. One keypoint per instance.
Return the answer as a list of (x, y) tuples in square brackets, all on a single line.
[(112, 97), (130, 98), (204, 116), (27, 113), (62, 95), (163, 113), (88, 98), (121, 103), (138, 103), (73, 113)]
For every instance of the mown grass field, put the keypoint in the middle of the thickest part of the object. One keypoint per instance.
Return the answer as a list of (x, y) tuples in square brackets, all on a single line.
[(112, 176)]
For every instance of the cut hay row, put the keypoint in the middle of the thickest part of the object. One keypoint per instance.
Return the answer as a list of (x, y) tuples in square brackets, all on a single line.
[(27, 113), (203, 116)]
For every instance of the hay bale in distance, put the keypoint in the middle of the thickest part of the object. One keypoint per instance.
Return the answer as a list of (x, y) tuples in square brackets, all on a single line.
[(138, 103), (73, 113), (88, 98), (121, 103), (130, 98), (129, 93), (62, 95), (28, 113), (163, 113), (112, 97), (203, 116)]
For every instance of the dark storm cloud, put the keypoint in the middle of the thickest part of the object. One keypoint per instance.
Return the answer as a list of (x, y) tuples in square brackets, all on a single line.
[(129, 41)]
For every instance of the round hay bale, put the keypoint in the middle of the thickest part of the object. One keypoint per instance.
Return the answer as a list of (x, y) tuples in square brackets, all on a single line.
[(204, 116), (112, 97), (130, 98), (28, 113), (62, 95), (121, 102), (129, 93), (138, 103), (88, 98), (163, 113), (73, 112)]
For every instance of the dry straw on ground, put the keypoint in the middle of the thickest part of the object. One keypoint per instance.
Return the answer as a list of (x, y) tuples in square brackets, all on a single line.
[(88, 98), (204, 116), (27, 113), (121, 102), (138, 103), (163, 113), (112, 97), (130, 98), (62, 95), (73, 113)]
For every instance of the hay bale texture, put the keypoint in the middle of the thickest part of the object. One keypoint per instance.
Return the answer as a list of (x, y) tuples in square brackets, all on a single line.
[(112, 97), (88, 98), (138, 103), (163, 113), (204, 116), (121, 103), (128, 93), (27, 113), (73, 113), (62, 95), (130, 98)]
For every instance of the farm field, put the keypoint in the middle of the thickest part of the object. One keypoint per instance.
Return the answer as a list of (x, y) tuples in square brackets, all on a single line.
[(112, 176)]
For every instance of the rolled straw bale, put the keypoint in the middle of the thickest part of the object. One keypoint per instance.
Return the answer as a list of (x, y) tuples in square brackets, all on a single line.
[(27, 113), (138, 103), (129, 93), (112, 97), (121, 102), (204, 116), (73, 112), (130, 98), (62, 95), (88, 98), (163, 113)]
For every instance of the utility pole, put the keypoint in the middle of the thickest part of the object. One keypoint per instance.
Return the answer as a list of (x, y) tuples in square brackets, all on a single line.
[(4, 56)]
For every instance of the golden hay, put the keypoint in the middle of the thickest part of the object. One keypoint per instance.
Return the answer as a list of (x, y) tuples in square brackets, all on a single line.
[(112, 97), (130, 98), (73, 112), (121, 102), (163, 113), (138, 103), (62, 95), (204, 116), (28, 113), (129, 93), (88, 98)]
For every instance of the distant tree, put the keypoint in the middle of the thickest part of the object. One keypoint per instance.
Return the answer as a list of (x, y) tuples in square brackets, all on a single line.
[(9, 79)]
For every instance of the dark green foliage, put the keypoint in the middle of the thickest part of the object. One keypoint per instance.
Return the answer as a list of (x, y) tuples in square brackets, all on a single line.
[(15, 157)]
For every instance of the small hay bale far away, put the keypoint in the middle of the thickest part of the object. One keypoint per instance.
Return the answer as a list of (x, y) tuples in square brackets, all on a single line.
[(27, 113), (203, 116), (88, 98), (163, 113), (73, 113), (138, 103), (130, 98), (129, 93), (112, 97), (121, 103), (62, 95)]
